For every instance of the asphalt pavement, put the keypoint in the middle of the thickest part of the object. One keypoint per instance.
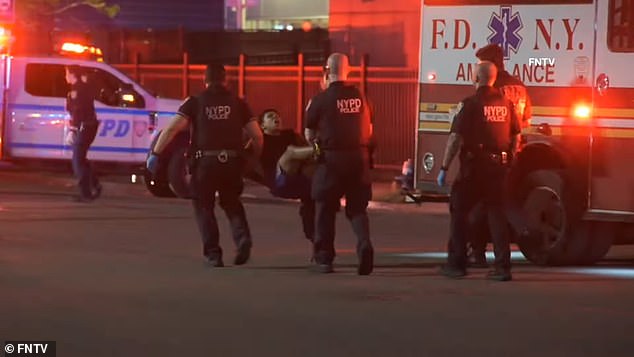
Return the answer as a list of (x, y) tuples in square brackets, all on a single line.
[(124, 276)]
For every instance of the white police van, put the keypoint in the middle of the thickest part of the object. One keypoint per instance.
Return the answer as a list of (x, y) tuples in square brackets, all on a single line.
[(34, 120)]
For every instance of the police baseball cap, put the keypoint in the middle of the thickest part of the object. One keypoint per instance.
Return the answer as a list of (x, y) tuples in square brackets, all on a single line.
[(214, 73), (492, 53)]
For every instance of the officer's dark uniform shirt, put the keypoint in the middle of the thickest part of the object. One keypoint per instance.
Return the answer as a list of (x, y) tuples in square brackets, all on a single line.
[(342, 117), (80, 103), (514, 90), (486, 123), (217, 117)]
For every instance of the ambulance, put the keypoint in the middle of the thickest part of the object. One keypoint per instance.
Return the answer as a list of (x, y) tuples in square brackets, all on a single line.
[(574, 178), (34, 121)]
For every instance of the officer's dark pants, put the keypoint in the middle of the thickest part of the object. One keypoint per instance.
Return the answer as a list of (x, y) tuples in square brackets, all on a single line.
[(81, 167), (484, 187), (342, 174), (307, 213), (208, 177)]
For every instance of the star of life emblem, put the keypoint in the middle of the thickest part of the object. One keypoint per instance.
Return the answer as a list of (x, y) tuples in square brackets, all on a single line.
[(505, 28)]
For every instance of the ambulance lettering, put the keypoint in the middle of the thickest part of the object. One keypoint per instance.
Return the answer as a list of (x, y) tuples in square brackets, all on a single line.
[(546, 34), (461, 34), (114, 128)]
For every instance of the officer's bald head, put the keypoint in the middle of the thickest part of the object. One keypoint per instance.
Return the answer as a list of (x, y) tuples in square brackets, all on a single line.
[(486, 73), (338, 67)]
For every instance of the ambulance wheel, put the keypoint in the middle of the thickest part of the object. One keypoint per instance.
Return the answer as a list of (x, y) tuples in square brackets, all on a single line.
[(178, 175), (552, 212), (589, 242)]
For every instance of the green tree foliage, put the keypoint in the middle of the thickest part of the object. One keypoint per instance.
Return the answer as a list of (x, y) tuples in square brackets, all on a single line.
[(38, 8)]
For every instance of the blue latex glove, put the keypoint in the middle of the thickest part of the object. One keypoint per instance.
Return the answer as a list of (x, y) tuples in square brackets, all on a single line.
[(152, 164), (441, 180)]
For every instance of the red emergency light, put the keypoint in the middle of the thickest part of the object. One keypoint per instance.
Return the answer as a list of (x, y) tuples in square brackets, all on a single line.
[(79, 49)]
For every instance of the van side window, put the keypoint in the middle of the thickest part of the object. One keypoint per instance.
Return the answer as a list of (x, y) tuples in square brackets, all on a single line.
[(621, 26), (114, 92), (46, 80)]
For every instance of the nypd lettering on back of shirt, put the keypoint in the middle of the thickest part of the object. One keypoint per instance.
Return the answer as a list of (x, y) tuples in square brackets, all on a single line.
[(218, 112), (495, 113), (349, 105)]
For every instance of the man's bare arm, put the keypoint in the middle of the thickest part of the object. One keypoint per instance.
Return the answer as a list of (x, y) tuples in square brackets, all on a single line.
[(178, 124), (451, 150), (255, 133)]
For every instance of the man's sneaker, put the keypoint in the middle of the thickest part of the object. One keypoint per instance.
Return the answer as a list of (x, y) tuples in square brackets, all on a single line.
[(214, 262), (478, 261), (96, 191), (452, 272), (366, 262), (325, 268), (499, 275), (244, 252)]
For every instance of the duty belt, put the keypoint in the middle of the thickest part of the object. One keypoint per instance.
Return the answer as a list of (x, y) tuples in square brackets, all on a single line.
[(498, 157), (222, 155)]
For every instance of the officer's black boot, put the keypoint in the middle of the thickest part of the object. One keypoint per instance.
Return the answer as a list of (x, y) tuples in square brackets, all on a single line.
[(243, 254), (366, 261), (499, 274)]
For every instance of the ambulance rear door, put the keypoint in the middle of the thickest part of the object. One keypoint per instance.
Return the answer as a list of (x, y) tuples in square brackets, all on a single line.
[(612, 172)]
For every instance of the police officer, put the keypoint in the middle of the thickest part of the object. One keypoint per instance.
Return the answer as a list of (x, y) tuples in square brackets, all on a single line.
[(486, 132), (514, 90), (338, 121), (82, 131), (216, 119)]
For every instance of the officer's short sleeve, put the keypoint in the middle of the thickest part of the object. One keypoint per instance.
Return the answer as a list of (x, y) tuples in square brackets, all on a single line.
[(459, 124), (246, 114), (189, 108), (313, 113)]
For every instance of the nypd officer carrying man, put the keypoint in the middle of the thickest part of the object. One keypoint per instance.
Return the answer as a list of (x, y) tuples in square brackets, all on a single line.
[(486, 132), (339, 124), (216, 119)]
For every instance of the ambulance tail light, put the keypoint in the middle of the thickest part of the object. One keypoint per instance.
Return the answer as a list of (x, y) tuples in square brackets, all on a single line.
[(581, 112)]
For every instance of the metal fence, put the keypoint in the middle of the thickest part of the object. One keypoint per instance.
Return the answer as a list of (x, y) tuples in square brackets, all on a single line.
[(392, 91)]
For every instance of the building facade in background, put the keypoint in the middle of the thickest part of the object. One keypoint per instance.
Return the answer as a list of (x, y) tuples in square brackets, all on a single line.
[(386, 30), (276, 15)]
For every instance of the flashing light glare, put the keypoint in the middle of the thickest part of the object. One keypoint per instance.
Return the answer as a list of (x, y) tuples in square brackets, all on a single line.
[(133, 178), (431, 76), (581, 111), (78, 48), (128, 97)]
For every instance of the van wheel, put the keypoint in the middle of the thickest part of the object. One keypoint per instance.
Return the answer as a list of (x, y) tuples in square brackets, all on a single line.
[(179, 177), (551, 213)]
